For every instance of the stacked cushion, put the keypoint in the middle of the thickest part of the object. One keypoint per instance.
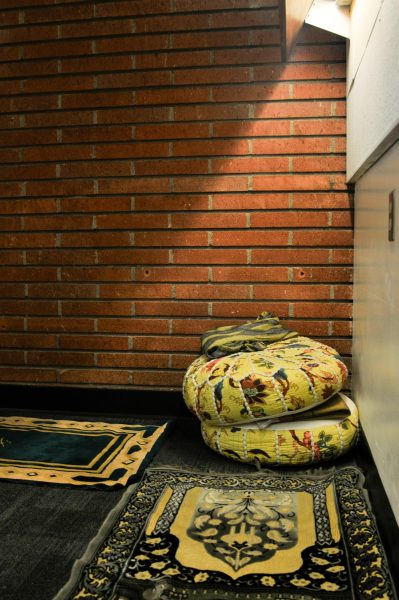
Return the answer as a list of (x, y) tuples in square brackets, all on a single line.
[(237, 397)]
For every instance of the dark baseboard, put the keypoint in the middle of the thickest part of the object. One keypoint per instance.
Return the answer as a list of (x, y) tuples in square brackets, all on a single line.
[(96, 400)]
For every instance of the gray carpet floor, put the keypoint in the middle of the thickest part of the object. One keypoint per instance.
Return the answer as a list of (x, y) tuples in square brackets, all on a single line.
[(44, 529)]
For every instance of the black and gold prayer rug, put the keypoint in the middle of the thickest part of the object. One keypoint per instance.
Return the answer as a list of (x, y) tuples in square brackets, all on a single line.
[(182, 535), (77, 453)]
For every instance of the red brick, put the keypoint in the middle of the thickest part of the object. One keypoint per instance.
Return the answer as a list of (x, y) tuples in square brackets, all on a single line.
[(27, 375), (27, 240), (12, 290), (251, 201), (133, 257), (197, 326), (210, 112), (209, 256), (289, 256), (189, 5), (292, 72), (61, 359), (132, 150), (96, 169), (172, 131), (53, 153), (322, 274), (328, 310), (190, 309), (211, 291), (62, 290), (171, 167), (127, 8), (168, 343), (172, 202), (342, 328), (65, 117), (57, 48), (172, 60), (342, 256), (59, 188), (210, 39), (250, 165), (298, 145), (248, 309), (293, 219), (323, 238), (133, 43), (58, 84), (248, 239), (132, 221), (269, 92), (169, 274), (319, 163), (11, 323), (91, 308), (61, 257), (8, 357), (210, 184), (250, 55), (133, 79), (138, 114), (28, 273), (95, 28), (132, 325), (249, 274), (95, 376), (119, 360), (95, 205), (95, 239), (319, 53), (24, 172), (225, 220), (96, 273), (94, 99), (92, 64), (58, 222), (96, 133), (28, 307), (136, 290), (25, 137), (213, 75), (159, 379), (295, 109), (14, 35), (134, 185), (320, 200), (60, 324), (10, 223), (251, 128), (308, 328), (320, 127), (343, 292), (94, 342), (172, 238), (12, 257), (294, 292), (342, 219), (58, 13), (291, 182), (27, 340), (209, 147)]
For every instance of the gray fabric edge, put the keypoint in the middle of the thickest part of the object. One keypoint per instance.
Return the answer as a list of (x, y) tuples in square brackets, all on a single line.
[(94, 545)]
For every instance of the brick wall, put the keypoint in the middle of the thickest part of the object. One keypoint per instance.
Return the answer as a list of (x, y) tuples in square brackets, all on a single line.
[(163, 173)]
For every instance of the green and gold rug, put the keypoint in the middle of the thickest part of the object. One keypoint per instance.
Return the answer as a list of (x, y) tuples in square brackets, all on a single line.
[(75, 452), (182, 535)]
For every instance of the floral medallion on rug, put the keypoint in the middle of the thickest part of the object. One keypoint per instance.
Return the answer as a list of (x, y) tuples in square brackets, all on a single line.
[(77, 453), (181, 535)]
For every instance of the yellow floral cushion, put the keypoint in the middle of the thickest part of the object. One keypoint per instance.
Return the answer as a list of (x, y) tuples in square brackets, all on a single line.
[(287, 377), (296, 442)]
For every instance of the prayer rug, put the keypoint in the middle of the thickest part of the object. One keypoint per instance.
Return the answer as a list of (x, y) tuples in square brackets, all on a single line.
[(75, 452), (183, 535)]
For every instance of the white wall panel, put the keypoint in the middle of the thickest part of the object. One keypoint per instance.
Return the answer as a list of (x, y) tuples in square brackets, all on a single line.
[(376, 319), (373, 79)]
